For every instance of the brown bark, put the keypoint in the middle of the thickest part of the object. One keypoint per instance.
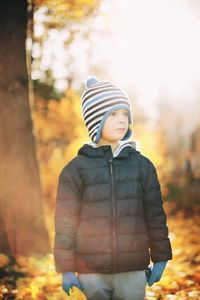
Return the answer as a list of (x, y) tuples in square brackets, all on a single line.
[(21, 209)]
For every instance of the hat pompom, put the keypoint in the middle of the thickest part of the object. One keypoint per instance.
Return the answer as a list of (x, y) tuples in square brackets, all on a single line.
[(91, 81)]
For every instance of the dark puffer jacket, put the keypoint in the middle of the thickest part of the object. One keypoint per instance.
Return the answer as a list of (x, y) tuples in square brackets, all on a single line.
[(109, 216)]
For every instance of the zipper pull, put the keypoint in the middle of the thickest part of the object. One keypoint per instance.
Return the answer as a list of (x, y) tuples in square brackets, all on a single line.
[(110, 161)]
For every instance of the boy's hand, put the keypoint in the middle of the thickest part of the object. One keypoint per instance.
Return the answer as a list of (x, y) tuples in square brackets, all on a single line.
[(155, 274), (69, 279)]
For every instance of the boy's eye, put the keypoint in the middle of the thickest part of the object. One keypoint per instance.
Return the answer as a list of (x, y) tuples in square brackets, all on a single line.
[(114, 113)]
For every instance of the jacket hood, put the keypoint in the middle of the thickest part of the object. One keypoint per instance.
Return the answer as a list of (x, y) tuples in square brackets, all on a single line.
[(91, 149)]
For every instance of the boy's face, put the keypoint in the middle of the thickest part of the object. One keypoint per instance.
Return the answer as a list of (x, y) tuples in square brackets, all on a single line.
[(115, 122)]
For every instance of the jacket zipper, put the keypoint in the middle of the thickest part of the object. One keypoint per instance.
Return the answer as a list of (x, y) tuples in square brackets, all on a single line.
[(114, 220)]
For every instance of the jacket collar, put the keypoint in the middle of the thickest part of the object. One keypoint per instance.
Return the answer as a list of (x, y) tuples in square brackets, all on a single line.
[(123, 149)]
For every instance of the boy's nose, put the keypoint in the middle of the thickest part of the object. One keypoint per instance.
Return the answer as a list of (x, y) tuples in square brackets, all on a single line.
[(122, 119)]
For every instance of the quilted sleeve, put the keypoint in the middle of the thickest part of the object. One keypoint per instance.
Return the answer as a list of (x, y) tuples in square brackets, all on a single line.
[(67, 211), (155, 218)]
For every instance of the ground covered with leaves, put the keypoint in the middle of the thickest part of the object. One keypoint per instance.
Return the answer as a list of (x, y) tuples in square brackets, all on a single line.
[(35, 278)]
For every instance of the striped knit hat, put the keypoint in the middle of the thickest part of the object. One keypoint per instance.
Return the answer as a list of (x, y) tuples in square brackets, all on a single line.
[(99, 99)]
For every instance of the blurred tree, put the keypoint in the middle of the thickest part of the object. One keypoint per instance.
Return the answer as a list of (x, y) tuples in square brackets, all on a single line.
[(182, 163), (21, 209), (62, 40)]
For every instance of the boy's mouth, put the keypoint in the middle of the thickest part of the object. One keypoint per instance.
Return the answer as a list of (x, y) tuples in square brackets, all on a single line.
[(121, 129)]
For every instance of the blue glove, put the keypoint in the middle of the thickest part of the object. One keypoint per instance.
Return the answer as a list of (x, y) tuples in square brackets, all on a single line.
[(154, 274), (69, 280)]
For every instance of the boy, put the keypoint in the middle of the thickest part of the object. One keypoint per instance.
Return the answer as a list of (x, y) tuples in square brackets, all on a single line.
[(109, 218)]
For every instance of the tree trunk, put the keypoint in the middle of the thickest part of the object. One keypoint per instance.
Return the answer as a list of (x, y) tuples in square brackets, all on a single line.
[(21, 209)]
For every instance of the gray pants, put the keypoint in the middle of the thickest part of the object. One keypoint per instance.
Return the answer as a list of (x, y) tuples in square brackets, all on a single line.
[(120, 286)]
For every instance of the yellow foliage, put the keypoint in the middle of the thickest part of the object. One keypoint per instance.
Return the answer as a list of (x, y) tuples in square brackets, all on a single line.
[(46, 282), (76, 294), (60, 131), (4, 260), (72, 9), (149, 141)]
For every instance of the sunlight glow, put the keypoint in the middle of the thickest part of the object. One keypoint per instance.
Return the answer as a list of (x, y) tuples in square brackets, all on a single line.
[(149, 48), (156, 46)]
